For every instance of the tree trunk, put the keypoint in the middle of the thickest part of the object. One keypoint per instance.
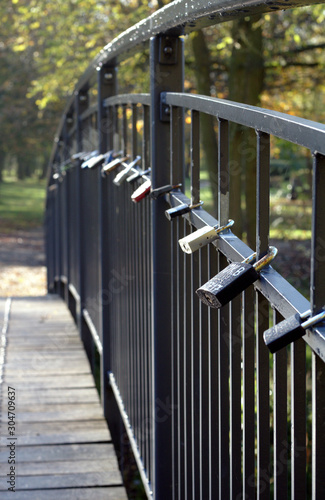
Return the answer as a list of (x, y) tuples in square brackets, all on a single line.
[(207, 123), (245, 85)]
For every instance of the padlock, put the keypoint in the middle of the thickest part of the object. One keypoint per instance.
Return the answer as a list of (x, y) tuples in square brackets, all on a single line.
[(289, 330), (181, 209), (233, 280), (121, 176), (138, 175), (112, 165), (141, 192), (202, 237), (82, 155), (155, 193), (87, 158)]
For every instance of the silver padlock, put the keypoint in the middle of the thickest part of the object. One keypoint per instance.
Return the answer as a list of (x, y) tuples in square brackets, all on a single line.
[(137, 175), (86, 159), (122, 176), (112, 165), (202, 237)]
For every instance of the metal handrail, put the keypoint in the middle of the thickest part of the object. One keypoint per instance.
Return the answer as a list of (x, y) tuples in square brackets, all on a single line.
[(307, 133)]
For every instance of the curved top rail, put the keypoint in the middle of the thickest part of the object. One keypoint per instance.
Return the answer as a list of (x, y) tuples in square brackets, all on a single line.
[(181, 17)]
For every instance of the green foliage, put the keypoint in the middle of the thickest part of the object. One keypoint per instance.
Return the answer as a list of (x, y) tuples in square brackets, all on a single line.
[(45, 47), (21, 204)]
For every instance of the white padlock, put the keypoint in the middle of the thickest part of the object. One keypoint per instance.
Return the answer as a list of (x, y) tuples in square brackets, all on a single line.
[(202, 237), (122, 176)]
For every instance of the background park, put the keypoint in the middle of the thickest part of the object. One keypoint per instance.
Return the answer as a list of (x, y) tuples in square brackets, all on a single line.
[(45, 47), (273, 61)]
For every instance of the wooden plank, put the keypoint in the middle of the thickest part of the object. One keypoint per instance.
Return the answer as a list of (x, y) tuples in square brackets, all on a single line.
[(62, 443), (62, 452), (99, 478), (62, 467), (58, 413), (46, 366), (108, 493), (56, 395), (47, 382)]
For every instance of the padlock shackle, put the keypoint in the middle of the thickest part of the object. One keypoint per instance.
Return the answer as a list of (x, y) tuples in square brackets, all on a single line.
[(264, 261), (229, 224), (196, 205), (313, 320), (250, 258)]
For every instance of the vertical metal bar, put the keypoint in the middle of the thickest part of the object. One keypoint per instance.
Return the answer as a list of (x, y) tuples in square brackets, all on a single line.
[(317, 298), (262, 403), (176, 160), (181, 394), (107, 86), (263, 193), (223, 171), (195, 374), (145, 165), (223, 380), (298, 420), (213, 333), (81, 104), (177, 170), (166, 75), (134, 131), (249, 393), (224, 322), (146, 138), (235, 398), (204, 420), (124, 130), (195, 311), (280, 433), (188, 457), (195, 157), (262, 353)]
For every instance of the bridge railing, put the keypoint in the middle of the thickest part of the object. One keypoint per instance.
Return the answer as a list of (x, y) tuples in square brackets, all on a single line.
[(208, 411)]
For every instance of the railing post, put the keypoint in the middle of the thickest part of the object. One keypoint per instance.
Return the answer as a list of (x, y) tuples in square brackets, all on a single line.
[(317, 299), (65, 201), (107, 87), (82, 103), (166, 74)]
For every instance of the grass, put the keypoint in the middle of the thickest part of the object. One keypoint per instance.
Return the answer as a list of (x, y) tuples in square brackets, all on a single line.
[(22, 204), (289, 219)]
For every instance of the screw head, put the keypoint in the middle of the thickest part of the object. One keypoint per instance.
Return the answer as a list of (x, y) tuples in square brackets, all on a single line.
[(168, 50)]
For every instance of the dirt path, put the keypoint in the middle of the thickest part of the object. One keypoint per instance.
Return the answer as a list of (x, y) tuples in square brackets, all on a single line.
[(23, 272), (22, 264)]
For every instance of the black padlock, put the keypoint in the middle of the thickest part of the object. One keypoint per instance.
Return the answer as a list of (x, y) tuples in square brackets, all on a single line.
[(289, 330), (181, 209), (233, 280), (155, 193)]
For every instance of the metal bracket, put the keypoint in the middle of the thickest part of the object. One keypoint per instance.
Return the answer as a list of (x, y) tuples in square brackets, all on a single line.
[(168, 50)]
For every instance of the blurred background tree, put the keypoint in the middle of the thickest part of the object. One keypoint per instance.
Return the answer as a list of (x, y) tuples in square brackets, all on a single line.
[(276, 61)]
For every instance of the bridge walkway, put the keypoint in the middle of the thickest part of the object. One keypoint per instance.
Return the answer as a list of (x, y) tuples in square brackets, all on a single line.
[(52, 425)]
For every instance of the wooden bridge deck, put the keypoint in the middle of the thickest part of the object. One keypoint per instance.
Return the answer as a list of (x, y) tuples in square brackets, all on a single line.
[(56, 433)]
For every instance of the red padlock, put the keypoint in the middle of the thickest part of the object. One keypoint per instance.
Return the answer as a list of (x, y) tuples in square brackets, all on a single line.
[(141, 192)]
